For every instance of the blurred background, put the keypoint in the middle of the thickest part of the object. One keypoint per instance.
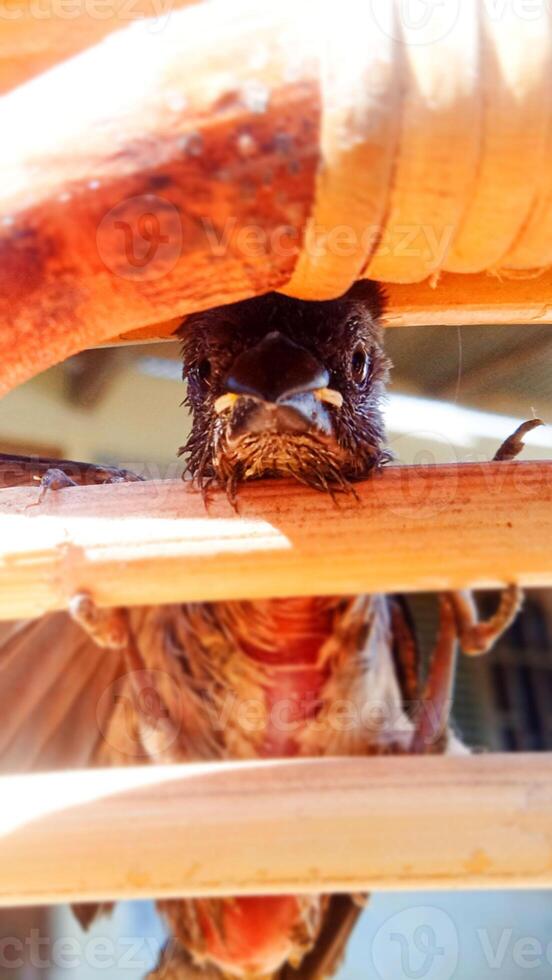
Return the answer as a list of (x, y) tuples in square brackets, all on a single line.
[(456, 394)]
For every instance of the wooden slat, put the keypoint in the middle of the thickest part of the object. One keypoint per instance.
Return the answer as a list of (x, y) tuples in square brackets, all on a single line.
[(36, 36), (456, 300), (482, 300), (277, 827), (165, 171), (180, 139), (413, 528)]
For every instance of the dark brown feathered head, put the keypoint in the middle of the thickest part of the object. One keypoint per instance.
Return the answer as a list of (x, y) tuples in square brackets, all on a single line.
[(284, 387)]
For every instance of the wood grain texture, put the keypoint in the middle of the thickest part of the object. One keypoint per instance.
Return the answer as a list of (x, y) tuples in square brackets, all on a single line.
[(516, 112), (278, 827), (413, 529), (455, 300), (180, 177), (239, 150), (440, 67), (36, 35)]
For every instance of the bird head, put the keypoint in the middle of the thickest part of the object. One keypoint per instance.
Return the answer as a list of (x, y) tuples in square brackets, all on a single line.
[(284, 387)]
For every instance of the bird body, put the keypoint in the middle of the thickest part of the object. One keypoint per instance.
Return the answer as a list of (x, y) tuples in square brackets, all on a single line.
[(265, 679), (277, 387), (268, 679)]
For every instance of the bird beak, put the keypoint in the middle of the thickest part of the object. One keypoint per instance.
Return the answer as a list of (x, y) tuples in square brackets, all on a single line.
[(328, 395), (278, 386)]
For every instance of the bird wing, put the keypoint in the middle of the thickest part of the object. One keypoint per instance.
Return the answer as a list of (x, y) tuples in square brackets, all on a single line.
[(56, 706), (55, 709), (328, 953), (177, 964), (25, 471), (54, 694)]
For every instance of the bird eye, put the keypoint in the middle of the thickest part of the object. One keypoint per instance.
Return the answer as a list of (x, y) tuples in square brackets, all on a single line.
[(204, 369), (359, 364)]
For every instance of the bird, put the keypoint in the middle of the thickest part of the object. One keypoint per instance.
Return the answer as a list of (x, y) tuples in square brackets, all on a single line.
[(277, 388)]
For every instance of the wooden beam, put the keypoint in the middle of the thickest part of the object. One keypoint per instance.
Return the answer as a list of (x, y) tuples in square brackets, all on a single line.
[(332, 825), (472, 300), (133, 200), (36, 36), (455, 300), (412, 529), (162, 172)]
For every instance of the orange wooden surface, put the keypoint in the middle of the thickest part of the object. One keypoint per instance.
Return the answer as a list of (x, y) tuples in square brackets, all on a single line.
[(414, 529)]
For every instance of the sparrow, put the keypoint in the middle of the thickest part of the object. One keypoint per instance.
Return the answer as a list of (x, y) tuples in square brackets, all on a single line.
[(277, 388)]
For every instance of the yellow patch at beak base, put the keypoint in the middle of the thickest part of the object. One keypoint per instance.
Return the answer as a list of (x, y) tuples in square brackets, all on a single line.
[(225, 402), (329, 395)]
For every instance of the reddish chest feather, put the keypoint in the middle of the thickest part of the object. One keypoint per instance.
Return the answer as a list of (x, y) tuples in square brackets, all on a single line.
[(254, 936), (299, 628)]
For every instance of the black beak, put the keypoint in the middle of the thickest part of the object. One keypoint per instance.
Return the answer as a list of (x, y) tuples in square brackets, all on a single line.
[(278, 380), (276, 369)]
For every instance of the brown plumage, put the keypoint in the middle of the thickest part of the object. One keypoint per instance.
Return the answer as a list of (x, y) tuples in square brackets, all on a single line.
[(277, 387), (341, 338)]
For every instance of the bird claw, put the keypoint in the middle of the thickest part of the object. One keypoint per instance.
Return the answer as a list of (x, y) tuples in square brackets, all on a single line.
[(53, 480), (514, 444), (478, 637), (107, 627)]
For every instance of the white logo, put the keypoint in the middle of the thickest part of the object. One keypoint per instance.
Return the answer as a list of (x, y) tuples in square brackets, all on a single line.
[(139, 698), (140, 239), (417, 21), (419, 943)]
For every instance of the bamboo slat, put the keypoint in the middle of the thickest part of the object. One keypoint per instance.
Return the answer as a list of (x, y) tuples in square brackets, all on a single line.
[(36, 35), (456, 300), (413, 529), (251, 146), (277, 827)]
